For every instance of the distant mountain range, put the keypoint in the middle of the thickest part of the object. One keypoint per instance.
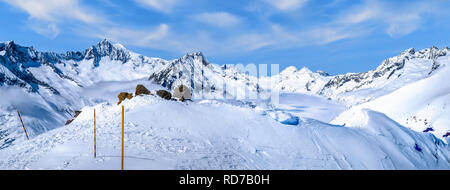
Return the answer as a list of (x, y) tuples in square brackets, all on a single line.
[(48, 87)]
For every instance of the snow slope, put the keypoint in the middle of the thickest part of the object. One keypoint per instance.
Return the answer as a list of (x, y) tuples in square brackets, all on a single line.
[(221, 133), (60, 84), (163, 134), (47, 88), (419, 105), (392, 74)]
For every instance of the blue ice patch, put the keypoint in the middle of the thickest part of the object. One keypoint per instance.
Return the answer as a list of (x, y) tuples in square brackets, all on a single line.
[(291, 121), (418, 148)]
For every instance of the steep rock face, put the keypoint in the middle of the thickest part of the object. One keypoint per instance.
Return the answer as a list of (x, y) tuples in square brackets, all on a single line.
[(47, 87), (104, 49), (17, 62), (392, 74), (194, 71)]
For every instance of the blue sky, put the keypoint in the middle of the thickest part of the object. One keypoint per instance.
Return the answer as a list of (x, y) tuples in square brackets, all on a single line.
[(336, 36)]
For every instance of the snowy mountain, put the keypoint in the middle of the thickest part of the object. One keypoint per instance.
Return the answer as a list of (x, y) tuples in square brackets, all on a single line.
[(204, 78), (48, 87), (301, 81), (56, 85), (422, 105), (392, 74), (221, 128)]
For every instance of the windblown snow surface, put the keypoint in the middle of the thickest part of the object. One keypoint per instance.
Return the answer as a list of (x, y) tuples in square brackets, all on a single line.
[(209, 134), (311, 127)]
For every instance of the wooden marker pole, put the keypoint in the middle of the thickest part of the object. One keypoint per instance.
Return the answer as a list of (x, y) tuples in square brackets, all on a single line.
[(121, 163), (95, 138), (24, 129)]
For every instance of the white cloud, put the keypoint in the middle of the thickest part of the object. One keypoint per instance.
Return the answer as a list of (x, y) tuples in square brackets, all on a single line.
[(326, 35), (45, 15), (148, 37), (218, 19), (165, 6), (54, 10), (287, 5), (397, 19), (49, 30)]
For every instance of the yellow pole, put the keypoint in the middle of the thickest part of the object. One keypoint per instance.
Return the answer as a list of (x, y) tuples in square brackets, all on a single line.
[(121, 163), (24, 129), (95, 138)]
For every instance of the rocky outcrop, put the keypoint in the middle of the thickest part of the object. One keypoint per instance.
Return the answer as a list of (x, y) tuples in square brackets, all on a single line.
[(124, 95), (77, 113), (164, 94), (141, 90)]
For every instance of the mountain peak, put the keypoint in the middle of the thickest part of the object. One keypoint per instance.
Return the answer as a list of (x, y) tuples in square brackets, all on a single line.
[(11, 42), (409, 51), (8, 45), (104, 40), (290, 69), (106, 48), (195, 54), (305, 70), (323, 73)]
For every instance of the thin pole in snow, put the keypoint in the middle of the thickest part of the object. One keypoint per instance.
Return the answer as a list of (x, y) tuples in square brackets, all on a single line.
[(121, 163), (23, 125), (95, 138)]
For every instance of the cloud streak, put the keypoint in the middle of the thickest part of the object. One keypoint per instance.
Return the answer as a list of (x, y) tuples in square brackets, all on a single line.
[(217, 19), (229, 31), (396, 19), (46, 15), (164, 6), (287, 5)]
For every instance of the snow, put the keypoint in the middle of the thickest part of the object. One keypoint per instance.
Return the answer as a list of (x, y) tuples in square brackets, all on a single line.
[(163, 134), (418, 105), (293, 80), (2, 53), (392, 74), (374, 132)]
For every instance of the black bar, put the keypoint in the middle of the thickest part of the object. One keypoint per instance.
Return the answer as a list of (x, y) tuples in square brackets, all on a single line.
[(277, 178)]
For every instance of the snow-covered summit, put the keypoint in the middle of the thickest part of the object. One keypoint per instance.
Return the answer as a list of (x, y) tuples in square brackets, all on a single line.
[(49, 86), (204, 78), (106, 49), (304, 80), (392, 74)]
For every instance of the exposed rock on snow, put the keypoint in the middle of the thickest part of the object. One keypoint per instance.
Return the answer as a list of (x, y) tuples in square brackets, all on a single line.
[(164, 94), (47, 87), (124, 95), (140, 89)]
